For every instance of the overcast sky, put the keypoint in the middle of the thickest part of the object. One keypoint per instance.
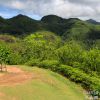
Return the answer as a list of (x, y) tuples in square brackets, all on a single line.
[(84, 9)]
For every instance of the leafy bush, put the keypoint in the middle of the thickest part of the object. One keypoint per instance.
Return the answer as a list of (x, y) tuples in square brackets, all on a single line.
[(79, 76), (51, 64), (91, 60), (14, 59), (4, 53), (69, 53), (9, 56), (33, 62)]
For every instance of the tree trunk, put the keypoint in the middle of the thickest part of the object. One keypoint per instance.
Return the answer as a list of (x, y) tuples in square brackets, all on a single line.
[(1, 67)]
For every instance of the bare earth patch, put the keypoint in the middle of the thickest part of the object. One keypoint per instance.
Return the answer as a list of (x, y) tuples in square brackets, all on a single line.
[(2, 94), (14, 76)]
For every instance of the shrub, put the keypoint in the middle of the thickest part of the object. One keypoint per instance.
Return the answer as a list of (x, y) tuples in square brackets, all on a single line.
[(69, 53), (79, 76), (51, 64), (91, 60), (33, 62), (14, 59), (4, 52)]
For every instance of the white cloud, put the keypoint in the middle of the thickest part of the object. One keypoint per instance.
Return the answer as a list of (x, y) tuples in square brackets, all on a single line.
[(64, 8), (17, 4)]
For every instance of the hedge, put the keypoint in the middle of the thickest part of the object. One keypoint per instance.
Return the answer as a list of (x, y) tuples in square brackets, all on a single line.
[(76, 75)]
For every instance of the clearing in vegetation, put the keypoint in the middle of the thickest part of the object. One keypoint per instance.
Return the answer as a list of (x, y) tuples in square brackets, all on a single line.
[(27, 83)]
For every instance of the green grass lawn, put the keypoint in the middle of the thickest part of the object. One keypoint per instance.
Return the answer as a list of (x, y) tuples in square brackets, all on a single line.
[(46, 85)]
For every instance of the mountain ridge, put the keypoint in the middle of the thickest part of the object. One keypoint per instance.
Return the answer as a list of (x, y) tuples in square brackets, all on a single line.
[(72, 28), (92, 21)]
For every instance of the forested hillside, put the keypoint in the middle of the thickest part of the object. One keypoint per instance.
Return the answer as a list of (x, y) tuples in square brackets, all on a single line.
[(70, 47), (67, 28)]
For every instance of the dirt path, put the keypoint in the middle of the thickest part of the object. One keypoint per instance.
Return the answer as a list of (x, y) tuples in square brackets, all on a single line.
[(14, 76)]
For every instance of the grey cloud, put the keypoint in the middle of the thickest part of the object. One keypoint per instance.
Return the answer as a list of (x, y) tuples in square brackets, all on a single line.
[(85, 1), (64, 8)]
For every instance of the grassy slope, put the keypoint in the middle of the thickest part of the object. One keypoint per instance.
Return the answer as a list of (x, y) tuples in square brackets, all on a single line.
[(47, 86)]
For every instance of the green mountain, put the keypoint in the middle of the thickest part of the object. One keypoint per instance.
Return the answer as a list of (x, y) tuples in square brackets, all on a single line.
[(20, 25), (93, 22), (53, 19), (72, 28)]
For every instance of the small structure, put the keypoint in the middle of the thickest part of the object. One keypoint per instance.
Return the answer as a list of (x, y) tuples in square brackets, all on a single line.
[(3, 67)]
